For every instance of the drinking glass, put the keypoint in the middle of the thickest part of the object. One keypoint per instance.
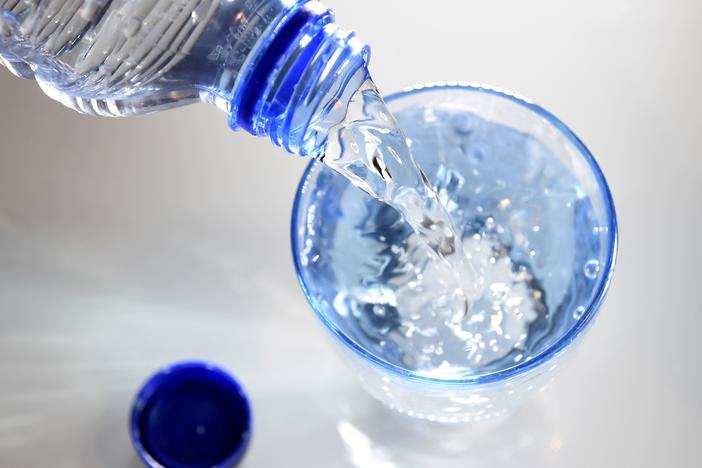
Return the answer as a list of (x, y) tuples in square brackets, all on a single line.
[(331, 226)]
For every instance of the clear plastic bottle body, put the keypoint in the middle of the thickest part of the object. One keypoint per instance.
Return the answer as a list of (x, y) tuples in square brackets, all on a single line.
[(123, 57)]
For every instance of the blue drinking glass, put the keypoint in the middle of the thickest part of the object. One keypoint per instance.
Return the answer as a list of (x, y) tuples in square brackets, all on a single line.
[(509, 172)]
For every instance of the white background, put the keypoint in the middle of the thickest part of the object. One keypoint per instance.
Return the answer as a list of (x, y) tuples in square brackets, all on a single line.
[(129, 244)]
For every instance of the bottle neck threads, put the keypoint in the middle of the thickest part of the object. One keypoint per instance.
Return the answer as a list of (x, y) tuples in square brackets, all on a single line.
[(298, 85)]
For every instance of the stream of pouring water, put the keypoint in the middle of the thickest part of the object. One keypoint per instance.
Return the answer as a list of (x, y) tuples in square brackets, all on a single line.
[(371, 151)]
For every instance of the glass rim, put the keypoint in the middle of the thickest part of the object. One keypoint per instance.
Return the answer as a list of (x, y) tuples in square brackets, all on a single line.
[(559, 345)]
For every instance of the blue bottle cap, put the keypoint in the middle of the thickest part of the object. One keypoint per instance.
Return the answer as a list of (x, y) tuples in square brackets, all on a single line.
[(191, 414)]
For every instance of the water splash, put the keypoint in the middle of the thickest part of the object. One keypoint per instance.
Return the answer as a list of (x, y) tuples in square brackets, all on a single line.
[(370, 150)]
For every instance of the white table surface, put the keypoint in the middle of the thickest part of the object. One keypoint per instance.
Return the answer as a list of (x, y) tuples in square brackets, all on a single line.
[(129, 244)]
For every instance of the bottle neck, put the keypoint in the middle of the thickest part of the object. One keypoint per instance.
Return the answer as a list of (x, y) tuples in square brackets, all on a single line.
[(299, 82)]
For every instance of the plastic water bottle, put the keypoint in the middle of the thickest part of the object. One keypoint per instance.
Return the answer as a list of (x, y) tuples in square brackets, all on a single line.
[(280, 68)]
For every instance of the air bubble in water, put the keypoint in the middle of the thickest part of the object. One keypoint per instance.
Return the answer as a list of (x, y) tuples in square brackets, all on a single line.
[(591, 268), (429, 115), (105, 69), (131, 26), (578, 312)]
